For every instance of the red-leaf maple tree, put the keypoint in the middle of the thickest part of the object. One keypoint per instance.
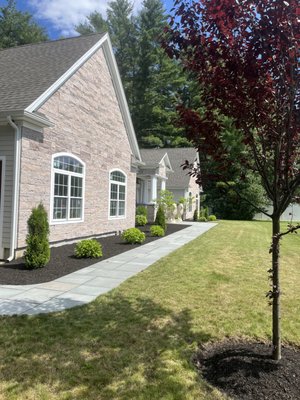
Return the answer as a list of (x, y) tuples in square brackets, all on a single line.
[(245, 56)]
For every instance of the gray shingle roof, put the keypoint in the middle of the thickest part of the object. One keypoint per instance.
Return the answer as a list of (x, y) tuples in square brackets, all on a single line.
[(27, 71), (151, 157), (179, 178)]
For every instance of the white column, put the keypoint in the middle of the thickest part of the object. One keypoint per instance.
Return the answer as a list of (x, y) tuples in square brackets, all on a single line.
[(163, 184), (153, 189), (145, 192)]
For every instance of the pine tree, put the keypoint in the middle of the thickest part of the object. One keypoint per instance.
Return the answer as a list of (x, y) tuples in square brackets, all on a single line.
[(17, 28), (95, 24), (121, 25), (153, 83), (159, 82), (122, 29)]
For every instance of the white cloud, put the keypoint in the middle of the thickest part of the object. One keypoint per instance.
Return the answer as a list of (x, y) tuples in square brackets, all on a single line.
[(63, 15)]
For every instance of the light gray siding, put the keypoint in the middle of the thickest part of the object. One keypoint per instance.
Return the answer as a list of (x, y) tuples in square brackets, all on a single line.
[(178, 193), (7, 150)]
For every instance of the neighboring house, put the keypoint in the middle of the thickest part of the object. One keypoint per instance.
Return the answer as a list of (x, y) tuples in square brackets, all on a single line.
[(66, 140), (163, 170)]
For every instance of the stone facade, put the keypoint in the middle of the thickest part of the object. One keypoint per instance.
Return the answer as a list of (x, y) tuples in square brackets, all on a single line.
[(194, 190), (88, 124)]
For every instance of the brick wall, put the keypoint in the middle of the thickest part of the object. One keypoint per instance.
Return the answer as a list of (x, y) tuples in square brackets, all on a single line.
[(88, 124)]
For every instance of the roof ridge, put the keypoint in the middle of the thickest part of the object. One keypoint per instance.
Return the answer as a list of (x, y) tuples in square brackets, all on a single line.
[(52, 41)]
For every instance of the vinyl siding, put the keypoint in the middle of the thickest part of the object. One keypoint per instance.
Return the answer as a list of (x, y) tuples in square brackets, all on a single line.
[(7, 150)]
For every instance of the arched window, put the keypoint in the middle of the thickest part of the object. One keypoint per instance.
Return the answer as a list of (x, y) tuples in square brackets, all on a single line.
[(117, 201), (68, 187)]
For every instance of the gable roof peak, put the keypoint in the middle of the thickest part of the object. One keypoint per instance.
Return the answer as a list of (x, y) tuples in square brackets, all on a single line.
[(54, 41)]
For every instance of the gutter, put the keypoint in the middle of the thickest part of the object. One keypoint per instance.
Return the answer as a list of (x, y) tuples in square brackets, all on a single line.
[(15, 203)]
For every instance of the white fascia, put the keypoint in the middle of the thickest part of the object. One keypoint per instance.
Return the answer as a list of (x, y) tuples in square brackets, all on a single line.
[(167, 162), (71, 71), (105, 43), (116, 79), (25, 118)]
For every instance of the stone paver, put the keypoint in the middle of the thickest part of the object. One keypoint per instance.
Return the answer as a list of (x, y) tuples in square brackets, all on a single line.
[(85, 285)]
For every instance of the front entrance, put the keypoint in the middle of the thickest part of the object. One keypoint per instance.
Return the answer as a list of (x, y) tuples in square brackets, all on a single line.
[(2, 165)]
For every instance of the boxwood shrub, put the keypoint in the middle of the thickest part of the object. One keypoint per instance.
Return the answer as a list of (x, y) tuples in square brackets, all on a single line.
[(212, 218), (141, 210), (88, 248), (140, 220), (133, 235), (157, 230)]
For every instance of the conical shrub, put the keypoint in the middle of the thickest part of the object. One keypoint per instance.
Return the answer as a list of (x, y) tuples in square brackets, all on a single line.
[(37, 253)]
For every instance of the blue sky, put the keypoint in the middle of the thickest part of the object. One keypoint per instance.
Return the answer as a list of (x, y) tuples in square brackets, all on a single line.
[(59, 17)]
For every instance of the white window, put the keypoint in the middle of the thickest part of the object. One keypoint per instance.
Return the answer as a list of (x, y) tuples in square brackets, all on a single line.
[(117, 189), (68, 187)]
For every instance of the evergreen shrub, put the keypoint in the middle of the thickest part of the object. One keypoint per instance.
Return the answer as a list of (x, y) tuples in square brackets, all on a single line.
[(160, 218), (195, 216), (88, 248), (133, 235), (141, 210), (212, 218), (140, 220), (157, 230), (37, 252)]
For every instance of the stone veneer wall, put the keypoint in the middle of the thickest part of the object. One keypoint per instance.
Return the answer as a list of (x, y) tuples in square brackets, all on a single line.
[(194, 188), (88, 124)]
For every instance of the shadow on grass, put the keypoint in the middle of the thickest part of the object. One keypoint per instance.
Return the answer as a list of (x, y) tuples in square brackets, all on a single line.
[(115, 347)]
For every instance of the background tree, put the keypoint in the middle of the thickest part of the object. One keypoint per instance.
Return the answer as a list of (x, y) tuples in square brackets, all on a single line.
[(226, 199), (17, 28), (121, 25), (95, 23), (245, 56), (152, 81)]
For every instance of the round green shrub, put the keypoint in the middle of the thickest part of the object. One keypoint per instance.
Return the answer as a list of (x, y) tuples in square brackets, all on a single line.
[(212, 218), (157, 230), (202, 219), (160, 218), (140, 220), (141, 210), (133, 235), (37, 252), (88, 248)]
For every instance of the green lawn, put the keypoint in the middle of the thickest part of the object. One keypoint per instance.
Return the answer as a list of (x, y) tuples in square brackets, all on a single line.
[(137, 341)]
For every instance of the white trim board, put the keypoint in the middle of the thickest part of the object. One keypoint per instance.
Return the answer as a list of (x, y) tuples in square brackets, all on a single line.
[(105, 43)]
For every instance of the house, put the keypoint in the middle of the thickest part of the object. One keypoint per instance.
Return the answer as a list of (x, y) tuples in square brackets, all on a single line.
[(162, 170), (66, 140)]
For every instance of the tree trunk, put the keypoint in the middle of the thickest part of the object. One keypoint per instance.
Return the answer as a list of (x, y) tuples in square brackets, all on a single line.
[(276, 288)]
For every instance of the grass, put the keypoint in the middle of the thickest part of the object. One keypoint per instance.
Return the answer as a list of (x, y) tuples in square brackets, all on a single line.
[(137, 341)]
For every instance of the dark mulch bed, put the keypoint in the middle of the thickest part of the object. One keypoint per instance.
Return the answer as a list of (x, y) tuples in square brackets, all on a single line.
[(63, 262), (245, 371)]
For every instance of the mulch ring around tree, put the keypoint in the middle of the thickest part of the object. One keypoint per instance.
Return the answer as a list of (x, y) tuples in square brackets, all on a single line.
[(63, 262), (245, 370)]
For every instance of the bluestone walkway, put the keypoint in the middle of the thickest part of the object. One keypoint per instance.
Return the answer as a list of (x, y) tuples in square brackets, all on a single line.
[(85, 285)]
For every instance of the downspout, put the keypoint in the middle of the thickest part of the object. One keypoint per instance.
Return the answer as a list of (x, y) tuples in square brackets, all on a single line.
[(15, 203)]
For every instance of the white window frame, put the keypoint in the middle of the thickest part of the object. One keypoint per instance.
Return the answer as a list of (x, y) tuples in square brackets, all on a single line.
[(69, 173), (109, 194)]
